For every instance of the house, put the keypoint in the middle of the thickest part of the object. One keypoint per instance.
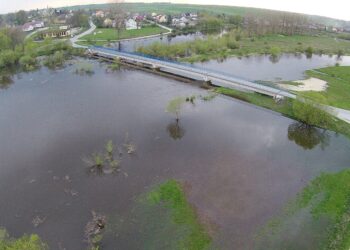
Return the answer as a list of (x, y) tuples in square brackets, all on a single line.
[(27, 27), (139, 18), (131, 24), (162, 19), (38, 24), (108, 22), (100, 13), (64, 27), (55, 33)]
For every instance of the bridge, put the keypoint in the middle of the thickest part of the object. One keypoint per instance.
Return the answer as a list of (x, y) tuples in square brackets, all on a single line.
[(217, 78)]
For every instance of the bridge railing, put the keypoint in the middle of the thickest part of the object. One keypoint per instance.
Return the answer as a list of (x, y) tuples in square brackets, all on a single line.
[(194, 67)]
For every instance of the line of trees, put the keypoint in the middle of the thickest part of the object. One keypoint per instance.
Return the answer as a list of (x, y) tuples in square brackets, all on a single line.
[(276, 23)]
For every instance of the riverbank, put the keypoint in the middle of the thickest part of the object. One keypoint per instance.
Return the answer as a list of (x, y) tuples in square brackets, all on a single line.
[(235, 43), (285, 107), (337, 93)]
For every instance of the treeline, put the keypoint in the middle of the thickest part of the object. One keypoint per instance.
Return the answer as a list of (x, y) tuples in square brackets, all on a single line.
[(277, 23)]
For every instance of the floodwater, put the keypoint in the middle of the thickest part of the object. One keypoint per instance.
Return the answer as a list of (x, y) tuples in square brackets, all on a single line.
[(264, 68), (241, 163), (132, 45)]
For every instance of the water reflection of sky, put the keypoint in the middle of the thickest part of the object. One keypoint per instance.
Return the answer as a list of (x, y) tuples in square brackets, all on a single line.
[(237, 158), (287, 67)]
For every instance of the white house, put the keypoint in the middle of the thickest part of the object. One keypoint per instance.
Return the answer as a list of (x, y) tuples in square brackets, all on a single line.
[(162, 19), (131, 24), (100, 13), (38, 24), (27, 27), (108, 22)]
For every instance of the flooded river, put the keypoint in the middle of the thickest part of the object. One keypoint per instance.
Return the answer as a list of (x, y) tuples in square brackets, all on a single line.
[(264, 68), (241, 163)]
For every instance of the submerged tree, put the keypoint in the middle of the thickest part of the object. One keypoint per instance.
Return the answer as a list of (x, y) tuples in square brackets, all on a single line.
[(175, 105)]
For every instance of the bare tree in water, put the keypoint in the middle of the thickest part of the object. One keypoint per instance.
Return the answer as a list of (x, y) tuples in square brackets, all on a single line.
[(119, 13)]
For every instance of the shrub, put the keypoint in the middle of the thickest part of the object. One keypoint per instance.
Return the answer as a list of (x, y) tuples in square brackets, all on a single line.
[(84, 68), (27, 62), (310, 114), (27, 242), (340, 53), (232, 45), (55, 60), (309, 50), (8, 58), (275, 51)]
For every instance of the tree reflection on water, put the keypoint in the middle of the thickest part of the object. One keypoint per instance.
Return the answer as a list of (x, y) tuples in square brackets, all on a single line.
[(307, 136), (175, 130)]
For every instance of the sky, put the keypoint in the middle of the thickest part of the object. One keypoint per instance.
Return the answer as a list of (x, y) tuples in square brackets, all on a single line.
[(331, 8)]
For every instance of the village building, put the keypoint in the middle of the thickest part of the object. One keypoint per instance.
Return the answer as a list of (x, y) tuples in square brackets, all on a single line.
[(100, 13), (27, 27), (131, 24), (62, 31), (108, 22)]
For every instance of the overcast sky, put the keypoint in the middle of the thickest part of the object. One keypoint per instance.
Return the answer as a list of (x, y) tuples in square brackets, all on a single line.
[(332, 8)]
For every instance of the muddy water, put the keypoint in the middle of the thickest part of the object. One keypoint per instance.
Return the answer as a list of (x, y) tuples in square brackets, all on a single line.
[(241, 163)]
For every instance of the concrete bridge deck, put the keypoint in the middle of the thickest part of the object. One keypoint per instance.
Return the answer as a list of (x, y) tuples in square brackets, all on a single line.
[(219, 78)]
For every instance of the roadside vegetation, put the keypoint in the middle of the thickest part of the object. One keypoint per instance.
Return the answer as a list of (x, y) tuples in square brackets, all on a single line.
[(337, 93), (27, 242), (239, 43), (304, 111)]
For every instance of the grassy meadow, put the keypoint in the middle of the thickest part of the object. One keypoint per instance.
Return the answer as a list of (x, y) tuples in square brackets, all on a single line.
[(111, 34), (337, 93)]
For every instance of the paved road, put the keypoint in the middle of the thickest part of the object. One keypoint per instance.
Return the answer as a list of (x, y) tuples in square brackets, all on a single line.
[(75, 39), (342, 114), (217, 77), (222, 78)]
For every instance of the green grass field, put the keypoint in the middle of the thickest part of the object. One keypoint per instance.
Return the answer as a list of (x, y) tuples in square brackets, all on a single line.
[(111, 34), (338, 91)]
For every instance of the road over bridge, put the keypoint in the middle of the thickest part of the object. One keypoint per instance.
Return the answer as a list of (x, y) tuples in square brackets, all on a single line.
[(218, 78)]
